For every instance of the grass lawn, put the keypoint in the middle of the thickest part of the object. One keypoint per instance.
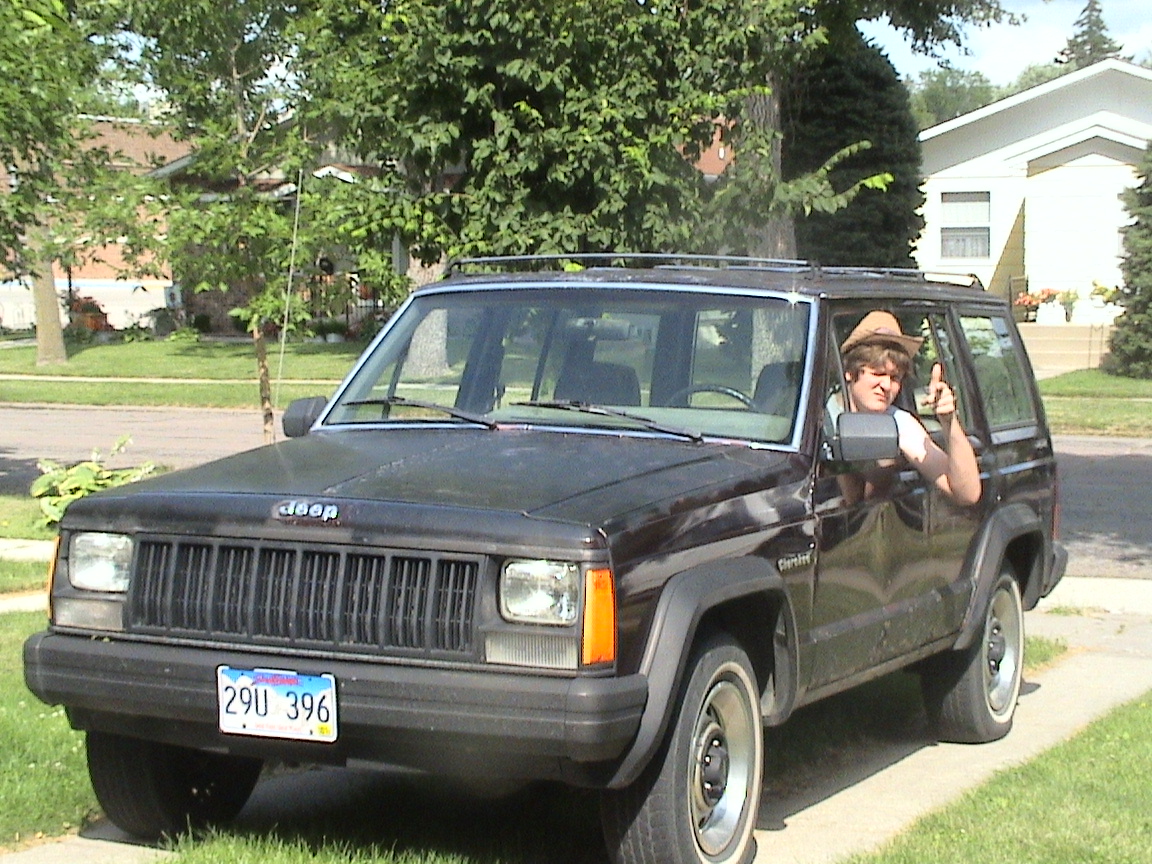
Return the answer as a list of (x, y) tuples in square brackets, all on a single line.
[(20, 519), (44, 786), (1087, 800), (218, 394), (22, 575), (1089, 402), (216, 360)]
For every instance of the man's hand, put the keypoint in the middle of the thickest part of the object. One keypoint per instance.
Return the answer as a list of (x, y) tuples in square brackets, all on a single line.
[(940, 395)]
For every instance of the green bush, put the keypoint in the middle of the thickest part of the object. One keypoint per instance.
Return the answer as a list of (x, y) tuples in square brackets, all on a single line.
[(60, 485), (1130, 346)]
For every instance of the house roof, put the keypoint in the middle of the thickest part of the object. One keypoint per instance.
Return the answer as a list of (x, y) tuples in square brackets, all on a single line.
[(1106, 107)]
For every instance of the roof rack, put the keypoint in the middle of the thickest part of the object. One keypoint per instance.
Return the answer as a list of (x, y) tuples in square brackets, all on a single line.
[(653, 260), (660, 260)]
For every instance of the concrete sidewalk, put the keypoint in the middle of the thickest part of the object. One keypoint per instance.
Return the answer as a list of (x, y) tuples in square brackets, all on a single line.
[(889, 786)]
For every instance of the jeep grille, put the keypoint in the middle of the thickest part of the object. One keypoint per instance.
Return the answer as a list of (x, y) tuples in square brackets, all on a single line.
[(295, 595)]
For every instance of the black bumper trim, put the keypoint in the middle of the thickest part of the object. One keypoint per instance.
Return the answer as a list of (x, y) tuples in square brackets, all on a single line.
[(431, 719)]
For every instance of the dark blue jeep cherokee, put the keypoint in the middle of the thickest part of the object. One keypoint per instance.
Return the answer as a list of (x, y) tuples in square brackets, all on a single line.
[(573, 523)]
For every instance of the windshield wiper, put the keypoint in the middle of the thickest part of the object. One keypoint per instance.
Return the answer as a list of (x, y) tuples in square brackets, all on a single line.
[(587, 408), (450, 410)]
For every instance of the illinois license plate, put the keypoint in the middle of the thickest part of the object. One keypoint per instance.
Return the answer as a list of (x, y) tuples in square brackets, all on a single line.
[(274, 703)]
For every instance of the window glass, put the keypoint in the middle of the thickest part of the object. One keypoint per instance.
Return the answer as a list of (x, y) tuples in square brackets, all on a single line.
[(1000, 371), (712, 364), (965, 219), (965, 243)]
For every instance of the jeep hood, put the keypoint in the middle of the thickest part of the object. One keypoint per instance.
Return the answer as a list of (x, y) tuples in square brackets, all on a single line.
[(586, 478)]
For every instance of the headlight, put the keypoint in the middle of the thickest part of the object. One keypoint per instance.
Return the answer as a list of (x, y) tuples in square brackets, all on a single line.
[(540, 592), (100, 562)]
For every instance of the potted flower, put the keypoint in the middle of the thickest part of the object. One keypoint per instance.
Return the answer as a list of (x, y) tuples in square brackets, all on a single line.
[(1026, 304)]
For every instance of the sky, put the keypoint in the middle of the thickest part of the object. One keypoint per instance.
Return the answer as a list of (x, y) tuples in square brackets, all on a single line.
[(1001, 52)]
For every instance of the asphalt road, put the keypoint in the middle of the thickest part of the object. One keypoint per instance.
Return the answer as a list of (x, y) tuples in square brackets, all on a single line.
[(1106, 515)]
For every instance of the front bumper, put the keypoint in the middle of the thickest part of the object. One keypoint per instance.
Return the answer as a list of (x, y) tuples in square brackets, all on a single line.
[(451, 721)]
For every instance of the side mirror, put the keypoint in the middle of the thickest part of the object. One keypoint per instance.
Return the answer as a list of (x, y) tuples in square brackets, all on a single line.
[(301, 414), (865, 437)]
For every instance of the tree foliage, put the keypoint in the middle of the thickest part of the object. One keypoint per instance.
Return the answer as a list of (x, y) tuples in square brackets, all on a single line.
[(928, 23), (226, 70), (47, 55), (943, 93), (1090, 42), (845, 93), (1130, 344), (556, 124)]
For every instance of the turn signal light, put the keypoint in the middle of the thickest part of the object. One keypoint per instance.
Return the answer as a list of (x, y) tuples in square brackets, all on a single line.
[(599, 636)]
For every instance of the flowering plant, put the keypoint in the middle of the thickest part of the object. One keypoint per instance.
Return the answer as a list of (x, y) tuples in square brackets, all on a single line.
[(1104, 292), (1027, 298)]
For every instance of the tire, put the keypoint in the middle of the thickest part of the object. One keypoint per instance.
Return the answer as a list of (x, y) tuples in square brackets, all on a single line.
[(971, 695), (696, 802), (150, 789)]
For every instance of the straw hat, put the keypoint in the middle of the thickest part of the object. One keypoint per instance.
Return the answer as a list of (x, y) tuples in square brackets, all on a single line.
[(882, 327)]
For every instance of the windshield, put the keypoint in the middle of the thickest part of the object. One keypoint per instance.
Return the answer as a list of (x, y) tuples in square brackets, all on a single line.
[(680, 362)]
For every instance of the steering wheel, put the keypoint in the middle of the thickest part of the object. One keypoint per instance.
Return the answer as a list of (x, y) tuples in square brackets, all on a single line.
[(685, 394)]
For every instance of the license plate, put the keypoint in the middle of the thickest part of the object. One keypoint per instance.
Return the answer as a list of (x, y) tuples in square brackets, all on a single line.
[(274, 703)]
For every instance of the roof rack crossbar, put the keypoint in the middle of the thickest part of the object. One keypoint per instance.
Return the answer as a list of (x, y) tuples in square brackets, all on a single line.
[(663, 260), (615, 259)]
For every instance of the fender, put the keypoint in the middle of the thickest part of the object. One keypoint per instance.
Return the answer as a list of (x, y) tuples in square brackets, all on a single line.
[(987, 555), (684, 601)]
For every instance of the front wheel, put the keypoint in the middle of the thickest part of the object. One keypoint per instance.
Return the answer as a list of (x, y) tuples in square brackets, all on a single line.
[(971, 695), (696, 802), (150, 789)]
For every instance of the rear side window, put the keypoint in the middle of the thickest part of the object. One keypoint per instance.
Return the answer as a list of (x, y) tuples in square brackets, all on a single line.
[(1000, 371)]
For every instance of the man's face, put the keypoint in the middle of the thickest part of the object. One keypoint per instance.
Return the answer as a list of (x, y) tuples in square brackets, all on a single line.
[(875, 387)]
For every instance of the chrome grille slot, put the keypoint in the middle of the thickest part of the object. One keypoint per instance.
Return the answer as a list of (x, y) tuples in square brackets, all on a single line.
[(288, 594)]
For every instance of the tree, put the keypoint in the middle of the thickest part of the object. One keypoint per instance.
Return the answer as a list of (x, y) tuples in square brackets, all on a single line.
[(1034, 75), (945, 92), (226, 71), (43, 59), (845, 93), (557, 125), (928, 23), (1130, 345), (1090, 43)]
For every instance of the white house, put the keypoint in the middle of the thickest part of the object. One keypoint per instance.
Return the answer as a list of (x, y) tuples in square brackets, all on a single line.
[(1025, 192)]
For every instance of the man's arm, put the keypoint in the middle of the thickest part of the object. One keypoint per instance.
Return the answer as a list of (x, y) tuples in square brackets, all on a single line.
[(954, 469)]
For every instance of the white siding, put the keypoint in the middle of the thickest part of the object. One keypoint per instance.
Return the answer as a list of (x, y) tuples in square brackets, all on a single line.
[(1073, 217), (1054, 161)]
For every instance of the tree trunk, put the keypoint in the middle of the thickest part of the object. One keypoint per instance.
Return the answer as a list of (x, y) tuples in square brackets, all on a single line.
[(264, 381), (50, 350), (777, 237)]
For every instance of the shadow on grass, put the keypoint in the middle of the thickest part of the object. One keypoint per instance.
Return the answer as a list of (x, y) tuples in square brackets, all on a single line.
[(822, 749), (424, 817)]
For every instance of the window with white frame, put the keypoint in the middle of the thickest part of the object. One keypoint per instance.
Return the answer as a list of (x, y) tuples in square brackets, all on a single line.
[(965, 231)]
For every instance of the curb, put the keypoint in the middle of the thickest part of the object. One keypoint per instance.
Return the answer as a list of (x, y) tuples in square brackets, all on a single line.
[(27, 550)]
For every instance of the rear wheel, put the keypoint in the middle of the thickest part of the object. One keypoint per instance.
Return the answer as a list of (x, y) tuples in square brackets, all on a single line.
[(150, 789), (971, 695), (696, 802)]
